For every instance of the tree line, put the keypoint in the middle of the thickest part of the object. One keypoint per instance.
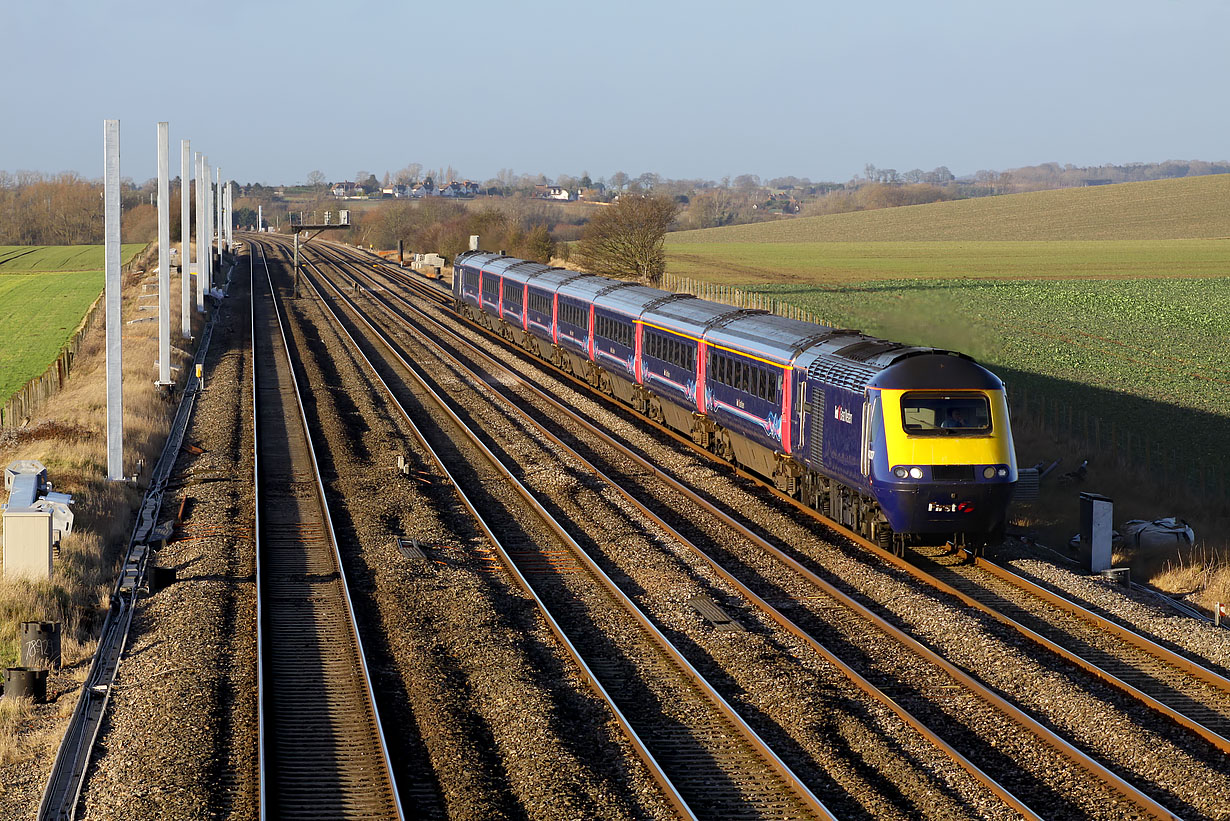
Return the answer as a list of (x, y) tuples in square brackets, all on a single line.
[(67, 209), (519, 228)]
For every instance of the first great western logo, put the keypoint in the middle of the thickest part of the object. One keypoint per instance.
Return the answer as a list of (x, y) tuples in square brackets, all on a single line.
[(843, 415)]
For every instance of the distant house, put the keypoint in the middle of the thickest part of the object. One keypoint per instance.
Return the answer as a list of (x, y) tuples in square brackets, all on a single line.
[(341, 190), (398, 191), (423, 189), (469, 188), (597, 192), (453, 189), (556, 192)]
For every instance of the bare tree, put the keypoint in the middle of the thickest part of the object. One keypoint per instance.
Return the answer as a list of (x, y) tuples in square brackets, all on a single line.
[(316, 179), (626, 239), (409, 175)]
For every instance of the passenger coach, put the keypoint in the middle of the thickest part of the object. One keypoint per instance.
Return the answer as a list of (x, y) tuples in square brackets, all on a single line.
[(899, 443)]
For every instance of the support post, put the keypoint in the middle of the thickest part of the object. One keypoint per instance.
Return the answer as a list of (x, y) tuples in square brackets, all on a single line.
[(202, 245), (185, 239), (207, 235), (218, 194), (164, 255), (111, 230), (296, 292)]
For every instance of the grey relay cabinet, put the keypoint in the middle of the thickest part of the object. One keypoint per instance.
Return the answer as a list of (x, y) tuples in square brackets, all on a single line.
[(35, 519)]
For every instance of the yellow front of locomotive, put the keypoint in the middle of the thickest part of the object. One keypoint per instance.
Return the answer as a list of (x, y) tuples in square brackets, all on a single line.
[(947, 464)]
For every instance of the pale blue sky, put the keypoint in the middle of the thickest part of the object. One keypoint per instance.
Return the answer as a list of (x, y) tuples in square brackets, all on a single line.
[(684, 89)]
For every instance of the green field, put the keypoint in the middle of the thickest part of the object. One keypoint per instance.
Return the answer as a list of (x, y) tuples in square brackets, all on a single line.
[(1110, 299), (23, 258), (44, 294)]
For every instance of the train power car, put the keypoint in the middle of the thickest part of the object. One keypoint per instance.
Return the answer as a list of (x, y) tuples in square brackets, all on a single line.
[(901, 444)]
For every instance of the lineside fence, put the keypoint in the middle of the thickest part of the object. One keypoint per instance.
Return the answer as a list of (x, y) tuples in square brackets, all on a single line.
[(1089, 436), (22, 405), (1109, 445)]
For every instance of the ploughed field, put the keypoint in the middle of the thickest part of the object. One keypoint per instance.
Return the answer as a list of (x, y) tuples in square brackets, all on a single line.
[(45, 292), (1117, 316)]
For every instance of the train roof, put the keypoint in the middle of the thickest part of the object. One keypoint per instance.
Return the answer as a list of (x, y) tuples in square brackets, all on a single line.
[(686, 314), (479, 259), (551, 279), (856, 361), (631, 300), (523, 271), (936, 370), (766, 335), (588, 287)]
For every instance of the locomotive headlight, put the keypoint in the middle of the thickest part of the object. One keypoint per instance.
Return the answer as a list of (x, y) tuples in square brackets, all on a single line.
[(900, 472), (915, 473), (1002, 472), (988, 473)]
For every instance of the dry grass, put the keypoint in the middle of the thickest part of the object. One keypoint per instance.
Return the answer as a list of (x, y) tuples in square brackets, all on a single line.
[(15, 713), (1201, 572), (68, 437)]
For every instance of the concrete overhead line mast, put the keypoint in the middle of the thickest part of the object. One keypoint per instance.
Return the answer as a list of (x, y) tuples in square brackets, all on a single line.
[(203, 267)]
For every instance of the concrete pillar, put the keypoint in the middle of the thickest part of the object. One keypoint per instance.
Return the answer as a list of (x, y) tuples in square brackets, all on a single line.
[(164, 255), (208, 236), (185, 240), (111, 257), (202, 245), (218, 209)]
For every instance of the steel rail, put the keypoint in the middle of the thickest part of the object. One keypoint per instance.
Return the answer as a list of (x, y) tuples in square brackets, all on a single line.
[(371, 779), (761, 748), (1060, 745), (1143, 643), (772, 612)]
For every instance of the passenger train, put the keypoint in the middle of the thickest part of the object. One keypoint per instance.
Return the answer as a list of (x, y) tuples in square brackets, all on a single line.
[(901, 444)]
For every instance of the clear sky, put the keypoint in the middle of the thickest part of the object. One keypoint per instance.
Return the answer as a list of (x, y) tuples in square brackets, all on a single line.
[(272, 89)]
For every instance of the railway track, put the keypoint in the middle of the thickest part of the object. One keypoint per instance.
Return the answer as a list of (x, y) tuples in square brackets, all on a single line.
[(1211, 685), (322, 748), (707, 759)]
